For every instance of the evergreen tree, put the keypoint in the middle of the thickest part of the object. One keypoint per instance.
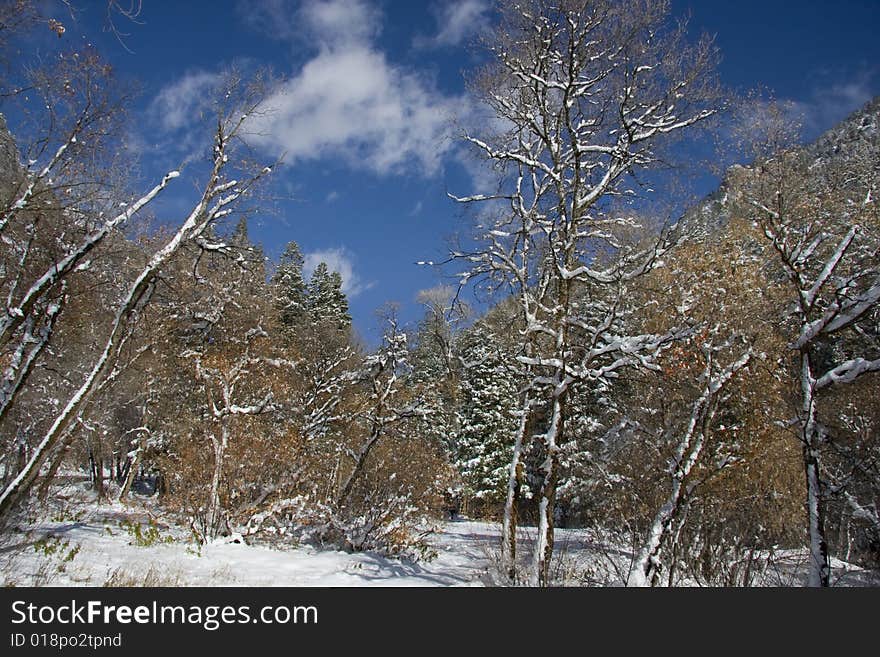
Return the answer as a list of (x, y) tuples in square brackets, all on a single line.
[(326, 301), (289, 287), (436, 365), (250, 259), (488, 397), (240, 237)]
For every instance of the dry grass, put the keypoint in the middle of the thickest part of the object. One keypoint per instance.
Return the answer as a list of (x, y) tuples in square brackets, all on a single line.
[(122, 577)]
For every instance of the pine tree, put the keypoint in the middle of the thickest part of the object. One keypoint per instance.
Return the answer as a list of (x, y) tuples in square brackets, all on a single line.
[(436, 365), (488, 397), (326, 301), (289, 287), (240, 237)]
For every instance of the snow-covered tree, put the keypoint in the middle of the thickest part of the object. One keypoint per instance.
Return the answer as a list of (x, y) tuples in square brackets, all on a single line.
[(436, 365), (820, 220), (326, 300), (689, 439), (289, 286), (217, 200), (385, 407), (226, 383), (584, 94), (226, 395), (489, 396), (60, 210)]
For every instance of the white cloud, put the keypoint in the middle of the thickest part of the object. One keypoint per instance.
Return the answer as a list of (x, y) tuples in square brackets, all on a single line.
[(457, 21), (831, 103), (175, 119), (298, 21), (348, 101), (340, 260), (351, 103), (331, 197), (178, 104), (338, 22)]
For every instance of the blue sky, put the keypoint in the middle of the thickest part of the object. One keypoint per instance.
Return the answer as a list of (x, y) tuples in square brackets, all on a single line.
[(366, 96)]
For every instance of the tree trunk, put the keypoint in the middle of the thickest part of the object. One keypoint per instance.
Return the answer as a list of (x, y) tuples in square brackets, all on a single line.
[(358, 465), (645, 570), (514, 485), (212, 518), (819, 567), (55, 460), (129, 476), (544, 543), (18, 371), (22, 456), (99, 476), (511, 503)]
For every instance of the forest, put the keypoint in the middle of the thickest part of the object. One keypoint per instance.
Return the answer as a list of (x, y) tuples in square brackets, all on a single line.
[(689, 387)]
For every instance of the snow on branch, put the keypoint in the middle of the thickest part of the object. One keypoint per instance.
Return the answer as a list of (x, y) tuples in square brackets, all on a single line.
[(194, 226), (847, 372), (686, 456), (16, 312), (841, 314)]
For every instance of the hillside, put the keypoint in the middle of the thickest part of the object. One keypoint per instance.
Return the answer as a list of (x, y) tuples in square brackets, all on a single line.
[(857, 136)]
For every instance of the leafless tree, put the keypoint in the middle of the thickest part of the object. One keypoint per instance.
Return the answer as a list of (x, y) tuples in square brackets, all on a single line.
[(820, 221), (583, 95), (217, 200), (689, 445)]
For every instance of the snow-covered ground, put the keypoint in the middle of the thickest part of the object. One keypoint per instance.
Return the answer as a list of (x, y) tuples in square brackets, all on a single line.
[(117, 545), (104, 548)]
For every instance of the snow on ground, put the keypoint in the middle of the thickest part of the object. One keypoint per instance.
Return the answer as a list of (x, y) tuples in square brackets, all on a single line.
[(110, 551), (116, 545)]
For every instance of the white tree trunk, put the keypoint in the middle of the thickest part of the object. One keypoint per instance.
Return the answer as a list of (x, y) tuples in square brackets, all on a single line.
[(139, 292), (646, 567), (819, 568), (212, 517), (543, 554), (129, 476), (514, 482)]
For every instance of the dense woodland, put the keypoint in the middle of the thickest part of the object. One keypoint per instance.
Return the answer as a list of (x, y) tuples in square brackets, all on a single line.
[(702, 388)]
